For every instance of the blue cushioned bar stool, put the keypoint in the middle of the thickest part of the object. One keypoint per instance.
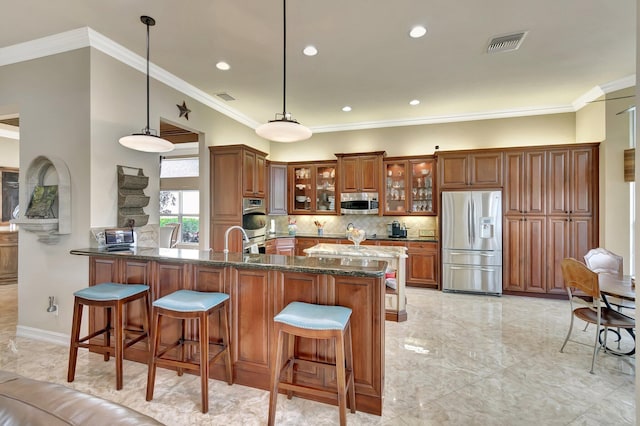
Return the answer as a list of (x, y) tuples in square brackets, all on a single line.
[(186, 305), (312, 321), (112, 297)]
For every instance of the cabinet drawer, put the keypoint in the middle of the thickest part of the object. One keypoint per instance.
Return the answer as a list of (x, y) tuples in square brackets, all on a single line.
[(412, 245)]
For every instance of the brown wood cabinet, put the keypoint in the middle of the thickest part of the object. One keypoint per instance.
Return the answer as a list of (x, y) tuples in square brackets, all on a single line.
[(236, 171), (360, 172), (254, 173), (256, 295), (305, 242), (465, 169), (550, 205), (409, 187), (312, 188), (423, 264), (8, 256), (524, 253), (284, 246), (277, 188)]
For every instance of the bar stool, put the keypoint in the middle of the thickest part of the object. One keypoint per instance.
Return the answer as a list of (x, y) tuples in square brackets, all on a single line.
[(111, 297), (184, 305), (300, 319)]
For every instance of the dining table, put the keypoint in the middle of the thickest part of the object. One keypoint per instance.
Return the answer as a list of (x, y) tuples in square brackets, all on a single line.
[(624, 289)]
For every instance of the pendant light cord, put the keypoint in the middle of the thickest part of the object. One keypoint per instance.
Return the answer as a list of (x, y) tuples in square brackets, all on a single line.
[(147, 130), (284, 60)]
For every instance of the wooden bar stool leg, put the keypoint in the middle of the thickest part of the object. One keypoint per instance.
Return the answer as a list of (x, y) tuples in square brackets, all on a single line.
[(338, 340), (224, 321), (181, 347), (146, 320), (155, 345), (75, 336), (275, 376), (349, 362), (108, 328), (290, 343), (204, 360), (119, 326)]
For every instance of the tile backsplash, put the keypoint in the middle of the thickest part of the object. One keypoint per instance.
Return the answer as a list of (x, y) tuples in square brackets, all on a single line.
[(370, 223)]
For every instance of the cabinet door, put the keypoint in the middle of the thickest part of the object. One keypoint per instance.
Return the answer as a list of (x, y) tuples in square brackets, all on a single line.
[(422, 264), (302, 189), (514, 186), (534, 183), (486, 169), (349, 174), (421, 187), (534, 247), (370, 173), (325, 188), (260, 177), (248, 173), (583, 178), (513, 274), (453, 169), (558, 248), (278, 189), (286, 246), (396, 191), (558, 181), (303, 243)]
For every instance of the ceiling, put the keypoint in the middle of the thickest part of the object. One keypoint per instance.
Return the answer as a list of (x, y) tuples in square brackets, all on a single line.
[(366, 59)]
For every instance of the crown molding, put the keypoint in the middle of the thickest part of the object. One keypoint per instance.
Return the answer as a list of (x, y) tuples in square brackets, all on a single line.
[(87, 37), (489, 115)]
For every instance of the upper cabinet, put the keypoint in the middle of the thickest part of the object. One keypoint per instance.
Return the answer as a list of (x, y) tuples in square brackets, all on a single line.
[(409, 186), (312, 188), (525, 182), (277, 188), (360, 172), (470, 170), (573, 176), (254, 173)]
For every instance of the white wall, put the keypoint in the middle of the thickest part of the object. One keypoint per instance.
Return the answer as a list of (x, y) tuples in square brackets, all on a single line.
[(9, 153)]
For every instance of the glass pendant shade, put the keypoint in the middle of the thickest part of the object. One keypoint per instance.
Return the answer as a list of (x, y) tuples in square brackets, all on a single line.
[(146, 141), (283, 130)]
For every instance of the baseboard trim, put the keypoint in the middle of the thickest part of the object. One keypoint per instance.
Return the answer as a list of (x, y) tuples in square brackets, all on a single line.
[(42, 335)]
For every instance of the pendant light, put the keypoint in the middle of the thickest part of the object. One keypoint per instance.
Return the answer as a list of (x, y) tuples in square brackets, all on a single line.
[(284, 128), (146, 141)]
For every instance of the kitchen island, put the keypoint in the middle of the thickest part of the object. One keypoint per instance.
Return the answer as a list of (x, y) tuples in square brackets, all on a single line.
[(260, 286), (395, 298)]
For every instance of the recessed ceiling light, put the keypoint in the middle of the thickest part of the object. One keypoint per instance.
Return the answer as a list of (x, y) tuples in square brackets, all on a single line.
[(417, 31), (414, 102), (346, 108), (310, 51), (222, 65)]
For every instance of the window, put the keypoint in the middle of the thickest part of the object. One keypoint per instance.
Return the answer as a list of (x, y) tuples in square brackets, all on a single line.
[(180, 196)]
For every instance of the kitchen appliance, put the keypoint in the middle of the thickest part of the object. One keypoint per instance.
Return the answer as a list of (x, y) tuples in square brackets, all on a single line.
[(396, 230), (118, 239), (254, 221), (472, 241), (359, 203)]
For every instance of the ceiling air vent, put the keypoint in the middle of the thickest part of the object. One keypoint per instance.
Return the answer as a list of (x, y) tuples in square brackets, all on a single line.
[(506, 43), (225, 96)]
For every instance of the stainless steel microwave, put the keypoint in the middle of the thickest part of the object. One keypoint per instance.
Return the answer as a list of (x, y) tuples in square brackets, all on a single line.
[(359, 203)]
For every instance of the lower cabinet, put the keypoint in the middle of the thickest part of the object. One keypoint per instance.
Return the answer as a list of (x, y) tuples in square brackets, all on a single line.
[(284, 246), (524, 254), (9, 256), (422, 264)]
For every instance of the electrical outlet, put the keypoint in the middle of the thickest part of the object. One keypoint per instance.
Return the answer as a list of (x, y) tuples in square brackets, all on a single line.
[(426, 233)]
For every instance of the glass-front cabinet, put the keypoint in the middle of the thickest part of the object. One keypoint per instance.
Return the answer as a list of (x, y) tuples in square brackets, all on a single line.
[(312, 188), (409, 186)]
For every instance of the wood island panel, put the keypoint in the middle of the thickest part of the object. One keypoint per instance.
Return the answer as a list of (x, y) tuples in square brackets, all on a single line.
[(256, 295)]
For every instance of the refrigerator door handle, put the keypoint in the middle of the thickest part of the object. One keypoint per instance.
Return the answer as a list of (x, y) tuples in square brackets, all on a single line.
[(469, 223), (473, 223)]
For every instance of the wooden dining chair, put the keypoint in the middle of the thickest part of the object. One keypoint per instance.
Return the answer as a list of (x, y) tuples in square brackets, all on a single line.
[(577, 276)]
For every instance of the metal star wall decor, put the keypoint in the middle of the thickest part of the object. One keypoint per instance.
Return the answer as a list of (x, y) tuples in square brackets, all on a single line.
[(184, 111)]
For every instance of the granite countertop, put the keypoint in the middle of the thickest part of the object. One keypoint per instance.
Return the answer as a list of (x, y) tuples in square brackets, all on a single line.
[(342, 236), (334, 266), (357, 251)]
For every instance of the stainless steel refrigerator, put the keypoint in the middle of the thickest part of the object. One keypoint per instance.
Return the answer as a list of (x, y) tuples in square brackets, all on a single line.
[(472, 241)]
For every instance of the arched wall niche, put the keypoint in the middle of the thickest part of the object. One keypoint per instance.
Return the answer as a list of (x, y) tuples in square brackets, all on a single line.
[(47, 171)]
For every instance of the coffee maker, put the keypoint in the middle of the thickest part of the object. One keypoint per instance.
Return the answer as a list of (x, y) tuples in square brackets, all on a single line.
[(396, 230)]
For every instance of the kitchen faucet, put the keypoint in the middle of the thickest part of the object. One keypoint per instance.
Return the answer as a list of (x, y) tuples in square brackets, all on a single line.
[(226, 236)]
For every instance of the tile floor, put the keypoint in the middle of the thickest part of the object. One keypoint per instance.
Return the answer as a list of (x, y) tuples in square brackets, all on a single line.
[(458, 360)]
